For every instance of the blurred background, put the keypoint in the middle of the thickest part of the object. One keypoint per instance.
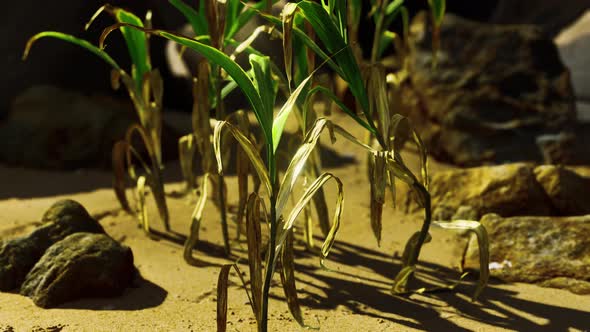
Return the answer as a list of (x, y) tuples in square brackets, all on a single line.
[(63, 92)]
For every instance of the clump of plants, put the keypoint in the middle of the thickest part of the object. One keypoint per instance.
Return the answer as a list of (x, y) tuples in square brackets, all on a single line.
[(326, 29)]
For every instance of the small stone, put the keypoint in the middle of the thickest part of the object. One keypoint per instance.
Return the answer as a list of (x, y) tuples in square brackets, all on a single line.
[(19, 255), (81, 265)]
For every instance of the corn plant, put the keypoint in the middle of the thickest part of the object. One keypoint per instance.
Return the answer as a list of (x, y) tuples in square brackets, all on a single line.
[(336, 26), (145, 89), (259, 90), (215, 23)]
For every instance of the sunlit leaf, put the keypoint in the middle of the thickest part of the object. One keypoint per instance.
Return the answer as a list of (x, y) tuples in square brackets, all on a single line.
[(483, 243), (73, 40), (196, 218), (248, 147)]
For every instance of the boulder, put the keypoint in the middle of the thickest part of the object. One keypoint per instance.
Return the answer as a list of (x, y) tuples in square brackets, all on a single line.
[(569, 192), (495, 92), (18, 256), (549, 251), (507, 190), (551, 15), (81, 265), (53, 128)]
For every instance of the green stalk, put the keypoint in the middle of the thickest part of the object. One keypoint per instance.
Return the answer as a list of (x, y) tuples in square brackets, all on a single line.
[(263, 326)]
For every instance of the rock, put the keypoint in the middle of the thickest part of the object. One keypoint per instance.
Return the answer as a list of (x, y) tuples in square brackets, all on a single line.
[(574, 46), (508, 190), (495, 91), (568, 191), (19, 255), (81, 265), (550, 15), (54, 128), (550, 251)]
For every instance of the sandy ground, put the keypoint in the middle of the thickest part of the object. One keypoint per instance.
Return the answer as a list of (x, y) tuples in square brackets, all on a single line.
[(173, 296)]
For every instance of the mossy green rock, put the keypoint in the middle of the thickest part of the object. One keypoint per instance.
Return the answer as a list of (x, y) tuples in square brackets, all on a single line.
[(549, 251), (81, 265), (18, 256)]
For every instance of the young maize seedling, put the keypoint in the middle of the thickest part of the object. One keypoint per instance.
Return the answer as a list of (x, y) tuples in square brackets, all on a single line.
[(215, 23), (145, 89)]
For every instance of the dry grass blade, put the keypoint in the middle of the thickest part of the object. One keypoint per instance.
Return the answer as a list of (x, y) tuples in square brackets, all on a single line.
[(299, 159), (222, 284), (254, 237), (119, 173), (303, 201), (142, 213), (186, 151), (483, 244), (248, 147), (288, 279), (409, 260), (288, 13), (378, 184), (242, 167), (196, 218)]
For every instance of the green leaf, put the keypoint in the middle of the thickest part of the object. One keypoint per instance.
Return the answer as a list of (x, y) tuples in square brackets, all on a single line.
[(265, 85), (281, 119), (137, 44), (73, 40), (219, 58), (438, 8), (196, 19), (329, 34)]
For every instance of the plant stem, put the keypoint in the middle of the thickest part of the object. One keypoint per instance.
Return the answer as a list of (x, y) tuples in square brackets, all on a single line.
[(263, 323), (427, 220)]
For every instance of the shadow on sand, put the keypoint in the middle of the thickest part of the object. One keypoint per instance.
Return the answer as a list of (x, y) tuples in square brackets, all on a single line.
[(371, 297), (143, 294)]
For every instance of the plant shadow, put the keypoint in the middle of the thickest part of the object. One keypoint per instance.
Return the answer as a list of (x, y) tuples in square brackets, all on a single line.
[(371, 296)]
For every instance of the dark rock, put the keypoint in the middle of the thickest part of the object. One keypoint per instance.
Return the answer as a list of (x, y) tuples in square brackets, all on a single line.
[(19, 255), (550, 251), (53, 128), (81, 265), (507, 190), (495, 91), (569, 192), (550, 15)]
